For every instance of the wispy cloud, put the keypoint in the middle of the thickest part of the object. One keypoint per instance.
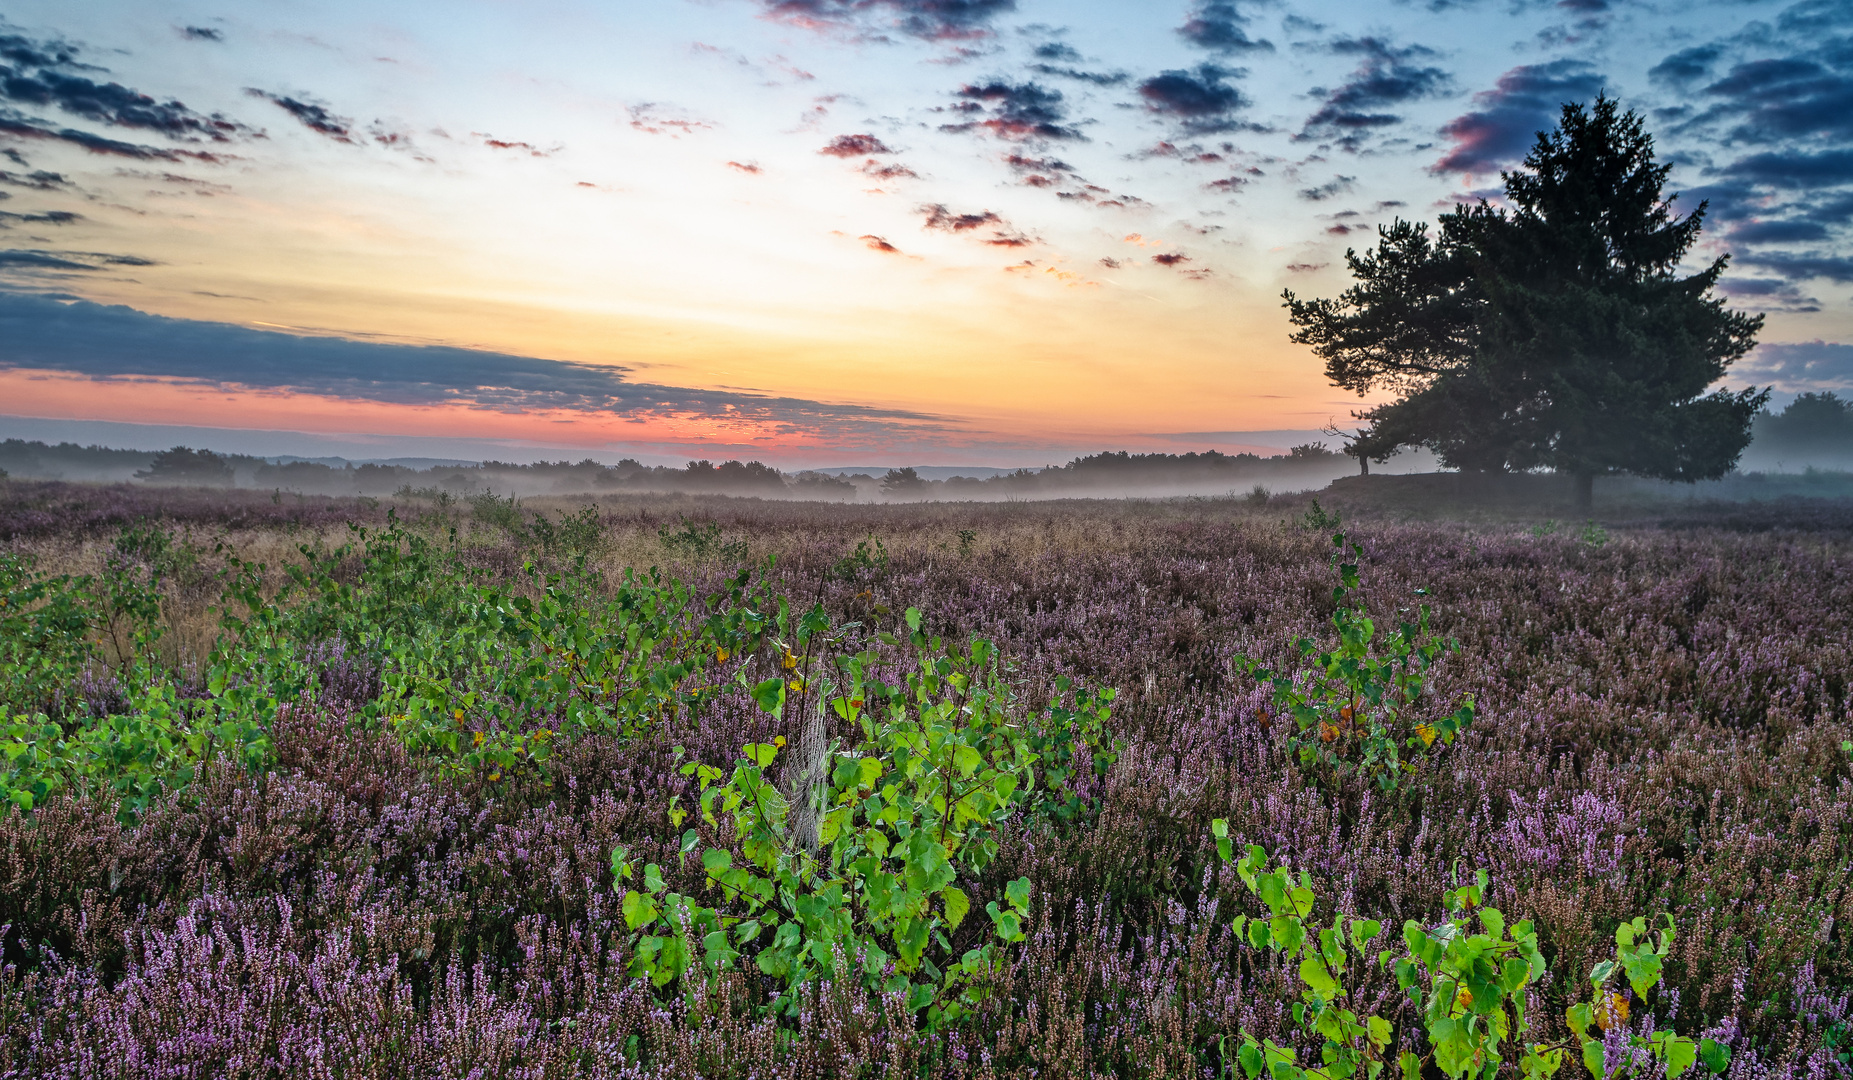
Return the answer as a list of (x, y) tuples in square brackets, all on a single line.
[(927, 20), (1799, 366), (852, 146), (20, 126), (657, 118), (1387, 75), (312, 114)]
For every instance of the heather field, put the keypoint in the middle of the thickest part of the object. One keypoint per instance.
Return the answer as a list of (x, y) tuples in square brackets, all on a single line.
[(921, 790)]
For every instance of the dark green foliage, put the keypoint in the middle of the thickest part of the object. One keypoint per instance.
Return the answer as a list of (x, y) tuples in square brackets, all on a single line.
[(703, 541), (1813, 424), (902, 483), (574, 534), (1557, 333), (1411, 317), (183, 465), (869, 560), (45, 641), (502, 513)]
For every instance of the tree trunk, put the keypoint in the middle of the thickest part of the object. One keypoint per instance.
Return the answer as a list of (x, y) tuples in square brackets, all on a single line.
[(1585, 490), (1363, 465)]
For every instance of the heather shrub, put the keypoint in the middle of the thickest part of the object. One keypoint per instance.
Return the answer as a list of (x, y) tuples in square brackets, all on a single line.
[(1659, 726)]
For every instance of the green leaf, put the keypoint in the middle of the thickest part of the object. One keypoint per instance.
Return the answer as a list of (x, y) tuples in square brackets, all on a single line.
[(1287, 933), (966, 760), (1313, 972), (1017, 892), (1009, 926), (671, 962), (770, 695), (1379, 1033), (719, 954), (957, 905), (913, 619), (1580, 1017), (715, 860), (1251, 1060), (1593, 1059), (1679, 1053), (760, 754), (639, 909), (653, 878), (1715, 1055)]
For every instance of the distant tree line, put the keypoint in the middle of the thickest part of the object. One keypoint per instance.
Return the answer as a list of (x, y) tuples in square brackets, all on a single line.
[(1115, 472), (1814, 427)]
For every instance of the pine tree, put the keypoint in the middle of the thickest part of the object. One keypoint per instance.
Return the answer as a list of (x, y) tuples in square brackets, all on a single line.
[(1557, 334)]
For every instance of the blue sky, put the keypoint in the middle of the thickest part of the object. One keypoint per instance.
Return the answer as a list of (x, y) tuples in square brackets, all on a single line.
[(803, 230)]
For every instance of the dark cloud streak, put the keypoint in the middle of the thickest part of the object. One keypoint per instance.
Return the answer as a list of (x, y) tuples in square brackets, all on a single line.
[(926, 20), (20, 126), (102, 342), (1015, 112), (1525, 100), (1387, 75), (1217, 25), (854, 146), (115, 105), (1201, 101), (314, 116)]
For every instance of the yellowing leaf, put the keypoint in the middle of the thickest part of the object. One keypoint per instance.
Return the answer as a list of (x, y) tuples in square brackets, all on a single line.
[(957, 905)]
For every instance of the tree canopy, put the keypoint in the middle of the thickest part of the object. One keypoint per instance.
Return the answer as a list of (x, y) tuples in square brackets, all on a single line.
[(184, 465), (1555, 331), (1814, 424)]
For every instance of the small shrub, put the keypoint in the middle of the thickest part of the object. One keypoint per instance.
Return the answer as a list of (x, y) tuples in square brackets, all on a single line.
[(1467, 981), (1318, 520), (493, 510), (702, 542), (574, 535), (1353, 703), (851, 873), (869, 558)]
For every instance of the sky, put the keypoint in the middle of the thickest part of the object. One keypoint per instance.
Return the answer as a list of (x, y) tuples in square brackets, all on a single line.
[(816, 231)]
